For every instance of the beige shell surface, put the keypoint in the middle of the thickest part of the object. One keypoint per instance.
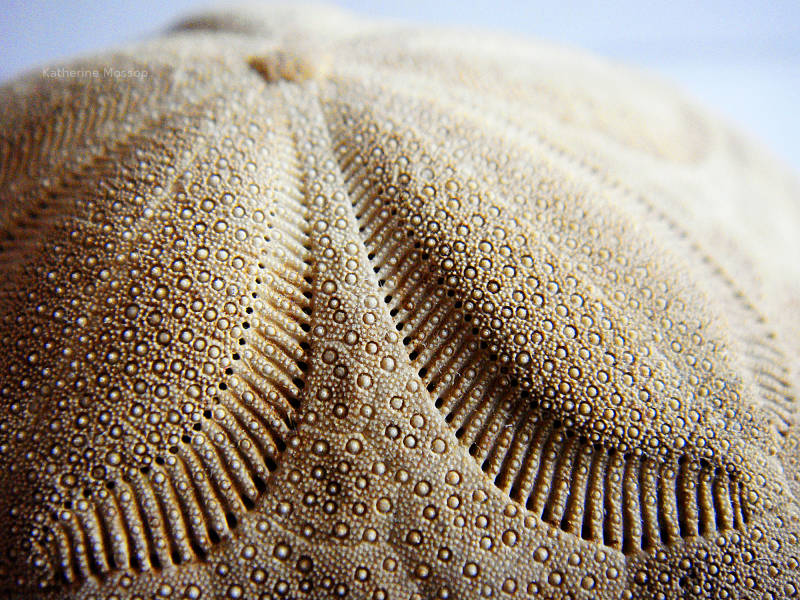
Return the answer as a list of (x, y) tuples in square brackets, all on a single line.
[(321, 308)]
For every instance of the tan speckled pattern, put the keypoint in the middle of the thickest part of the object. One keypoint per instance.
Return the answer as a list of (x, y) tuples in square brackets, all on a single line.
[(322, 308)]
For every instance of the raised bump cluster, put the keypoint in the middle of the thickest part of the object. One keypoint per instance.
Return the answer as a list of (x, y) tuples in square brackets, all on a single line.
[(323, 308)]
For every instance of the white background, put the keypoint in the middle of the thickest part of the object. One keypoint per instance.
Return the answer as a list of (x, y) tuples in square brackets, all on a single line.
[(742, 58)]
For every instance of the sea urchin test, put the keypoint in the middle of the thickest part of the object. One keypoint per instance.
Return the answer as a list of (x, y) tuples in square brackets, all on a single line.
[(318, 307)]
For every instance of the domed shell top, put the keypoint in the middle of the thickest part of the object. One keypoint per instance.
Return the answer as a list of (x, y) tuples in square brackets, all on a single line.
[(299, 305)]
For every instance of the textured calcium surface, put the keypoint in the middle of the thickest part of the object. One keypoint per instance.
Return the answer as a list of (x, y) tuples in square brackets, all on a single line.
[(324, 308)]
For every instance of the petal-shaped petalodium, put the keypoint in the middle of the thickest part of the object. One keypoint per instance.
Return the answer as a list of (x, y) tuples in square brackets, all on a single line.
[(298, 306)]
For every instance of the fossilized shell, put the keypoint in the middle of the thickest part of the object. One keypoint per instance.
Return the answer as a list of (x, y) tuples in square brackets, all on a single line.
[(295, 305)]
